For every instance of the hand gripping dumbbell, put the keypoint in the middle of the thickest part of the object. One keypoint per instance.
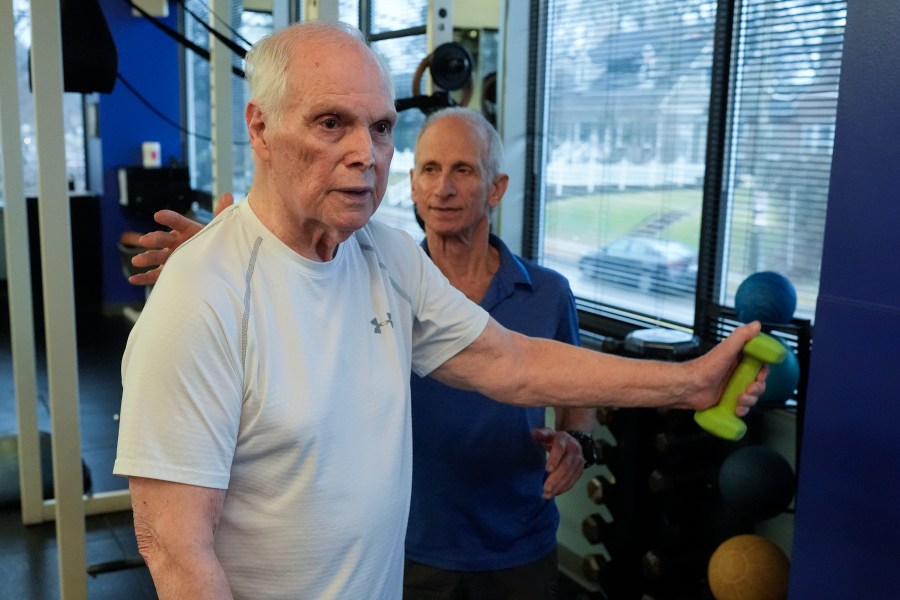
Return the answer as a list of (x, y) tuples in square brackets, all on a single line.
[(720, 419)]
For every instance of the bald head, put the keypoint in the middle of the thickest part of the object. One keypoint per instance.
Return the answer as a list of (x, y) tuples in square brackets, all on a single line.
[(267, 63)]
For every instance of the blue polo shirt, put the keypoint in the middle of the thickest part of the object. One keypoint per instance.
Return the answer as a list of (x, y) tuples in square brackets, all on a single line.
[(478, 477)]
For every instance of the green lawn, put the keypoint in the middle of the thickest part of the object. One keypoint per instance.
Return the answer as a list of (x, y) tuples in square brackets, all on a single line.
[(595, 219), (598, 218)]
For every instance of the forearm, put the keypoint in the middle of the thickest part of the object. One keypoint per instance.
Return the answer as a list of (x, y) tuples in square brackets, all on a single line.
[(188, 576), (175, 529), (545, 371), (539, 372)]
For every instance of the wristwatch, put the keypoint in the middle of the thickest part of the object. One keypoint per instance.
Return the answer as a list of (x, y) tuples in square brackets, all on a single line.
[(588, 447)]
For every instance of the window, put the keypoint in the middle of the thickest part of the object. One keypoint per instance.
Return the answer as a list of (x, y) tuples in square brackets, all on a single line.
[(247, 27), (397, 29), (73, 115), (625, 106), (403, 54), (348, 12), (625, 111), (786, 59)]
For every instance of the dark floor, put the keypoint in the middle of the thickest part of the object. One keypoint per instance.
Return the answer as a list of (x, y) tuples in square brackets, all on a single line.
[(28, 557)]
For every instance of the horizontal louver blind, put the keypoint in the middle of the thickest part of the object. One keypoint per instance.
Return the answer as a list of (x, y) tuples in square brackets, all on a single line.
[(624, 120), (786, 65)]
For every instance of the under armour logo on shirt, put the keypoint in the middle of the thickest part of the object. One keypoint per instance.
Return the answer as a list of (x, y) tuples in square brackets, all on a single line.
[(379, 324)]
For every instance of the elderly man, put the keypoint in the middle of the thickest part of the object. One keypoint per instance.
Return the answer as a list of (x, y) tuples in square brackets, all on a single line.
[(265, 425), (482, 523)]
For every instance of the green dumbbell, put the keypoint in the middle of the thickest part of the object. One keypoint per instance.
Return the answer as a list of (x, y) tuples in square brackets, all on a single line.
[(720, 419)]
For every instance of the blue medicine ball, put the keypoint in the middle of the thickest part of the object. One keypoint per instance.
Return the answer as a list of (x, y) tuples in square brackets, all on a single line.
[(766, 296)]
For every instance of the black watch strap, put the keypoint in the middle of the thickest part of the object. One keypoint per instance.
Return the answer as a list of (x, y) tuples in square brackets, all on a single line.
[(588, 447)]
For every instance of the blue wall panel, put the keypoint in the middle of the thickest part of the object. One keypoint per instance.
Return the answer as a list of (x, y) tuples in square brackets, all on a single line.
[(149, 61), (847, 532), (847, 525)]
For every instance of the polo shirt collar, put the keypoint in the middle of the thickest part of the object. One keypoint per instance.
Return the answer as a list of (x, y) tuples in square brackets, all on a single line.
[(510, 274)]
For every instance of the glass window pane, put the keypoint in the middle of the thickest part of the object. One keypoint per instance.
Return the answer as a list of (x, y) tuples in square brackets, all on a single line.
[(252, 25), (403, 56), (199, 146), (73, 115), (348, 12), (625, 111), (787, 64), (393, 15)]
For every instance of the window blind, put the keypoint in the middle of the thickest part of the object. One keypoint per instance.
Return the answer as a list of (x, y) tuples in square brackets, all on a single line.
[(785, 68), (626, 94)]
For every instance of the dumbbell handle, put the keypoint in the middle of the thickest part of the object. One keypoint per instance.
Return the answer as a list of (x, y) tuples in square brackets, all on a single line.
[(720, 419)]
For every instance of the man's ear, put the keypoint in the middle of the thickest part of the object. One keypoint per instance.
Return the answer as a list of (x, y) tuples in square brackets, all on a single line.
[(498, 188), (256, 129)]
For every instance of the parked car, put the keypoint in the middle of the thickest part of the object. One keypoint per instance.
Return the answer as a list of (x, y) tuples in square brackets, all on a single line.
[(649, 264)]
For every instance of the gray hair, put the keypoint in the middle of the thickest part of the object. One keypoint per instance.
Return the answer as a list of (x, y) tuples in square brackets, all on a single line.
[(492, 159), (266, 64)]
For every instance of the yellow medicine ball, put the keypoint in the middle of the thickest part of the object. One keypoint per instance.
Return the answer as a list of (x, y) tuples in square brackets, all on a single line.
[(748, 567)]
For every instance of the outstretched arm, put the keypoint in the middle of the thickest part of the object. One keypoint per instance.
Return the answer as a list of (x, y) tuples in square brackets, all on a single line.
[(536, 372), (161, 244)]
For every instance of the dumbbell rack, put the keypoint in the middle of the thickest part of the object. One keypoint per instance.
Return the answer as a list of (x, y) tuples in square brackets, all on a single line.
[(661, 516)]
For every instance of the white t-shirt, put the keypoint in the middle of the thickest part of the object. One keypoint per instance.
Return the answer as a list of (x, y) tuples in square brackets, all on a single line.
[(286, 382)]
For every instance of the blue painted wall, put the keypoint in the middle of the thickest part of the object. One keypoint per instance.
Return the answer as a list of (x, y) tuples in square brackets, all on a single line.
[(149, 61), (847, 528)]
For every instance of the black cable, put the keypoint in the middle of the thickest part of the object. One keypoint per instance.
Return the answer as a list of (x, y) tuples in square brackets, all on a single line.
[(202, 52), (240, 51), (157, 112), (233, 31), (165, 118), (418, 102)]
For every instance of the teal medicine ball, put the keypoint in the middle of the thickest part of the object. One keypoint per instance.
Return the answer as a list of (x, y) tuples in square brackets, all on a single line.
[(782, 380), (766, 296)]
